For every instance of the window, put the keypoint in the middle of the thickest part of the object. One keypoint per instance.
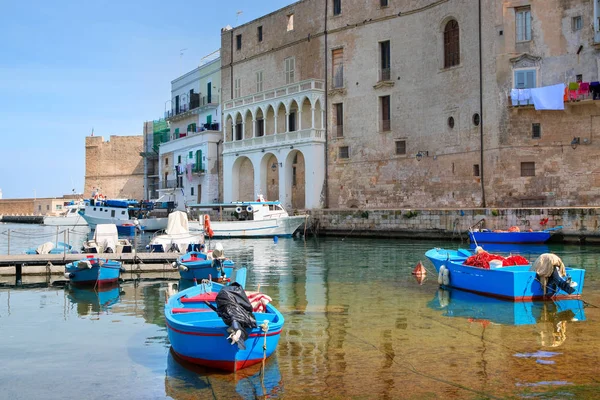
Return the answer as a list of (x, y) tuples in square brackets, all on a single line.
[(577, 23), (383, 3), (290, 22), (527, 169), (476, 170), (237, 85), (199, 161), (180, 181), (260, 127), (337, 57), (47, 207), (239, 131), (384, 59), (238, 42), (178, 159), (167, 161), (290, 67), (259, 81), (192, 190), (292, 121), (40, 208), (337, 7), (523, 23), (339, 119), (344, 152), (536, 131), (384, 105), (294, 176), (400, 147), (451, 44), (259, 33), (112, 213), (191, 154), (579, 78), (525, 78)]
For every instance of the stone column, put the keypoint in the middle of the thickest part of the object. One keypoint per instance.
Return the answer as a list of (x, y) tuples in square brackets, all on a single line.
[(253, 128)]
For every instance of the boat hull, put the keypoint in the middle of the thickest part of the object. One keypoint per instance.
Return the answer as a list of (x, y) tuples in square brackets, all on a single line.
[(515, 283), (107, 273), (71, 220), (282, 227), (198, 335), (195, 266), (509, 237), (148, 224)]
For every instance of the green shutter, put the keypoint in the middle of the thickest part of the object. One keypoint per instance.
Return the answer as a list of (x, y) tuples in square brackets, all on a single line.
[(191, 154), (199, 161)]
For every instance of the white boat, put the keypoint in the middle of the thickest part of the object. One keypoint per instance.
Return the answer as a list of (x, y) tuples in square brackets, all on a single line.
[(250, 219), (177, 236), (148, 216), (106, 240), (69, 217)]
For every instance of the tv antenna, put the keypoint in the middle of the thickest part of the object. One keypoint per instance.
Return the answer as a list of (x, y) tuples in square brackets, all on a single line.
[(237, 14)]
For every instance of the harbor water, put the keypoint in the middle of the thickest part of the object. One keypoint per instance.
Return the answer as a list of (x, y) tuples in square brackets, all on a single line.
[(358, 325)]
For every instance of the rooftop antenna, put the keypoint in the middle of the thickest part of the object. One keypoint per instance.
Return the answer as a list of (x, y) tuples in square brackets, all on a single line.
[(237, 14)]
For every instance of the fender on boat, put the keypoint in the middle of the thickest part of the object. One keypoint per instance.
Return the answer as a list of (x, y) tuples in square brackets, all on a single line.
[(446, 277), (440, 274)]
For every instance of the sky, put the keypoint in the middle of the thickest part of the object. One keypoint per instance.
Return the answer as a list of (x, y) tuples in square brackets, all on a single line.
[(67, 67)]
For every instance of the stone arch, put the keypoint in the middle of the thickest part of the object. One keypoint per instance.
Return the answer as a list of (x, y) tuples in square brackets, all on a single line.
[(293, 116), (269, 176), (242, 179), (296, 179), (269, 120), (305, 118), (280, 112), (237, 120), (247, 120), (449, 29), (228, 128)]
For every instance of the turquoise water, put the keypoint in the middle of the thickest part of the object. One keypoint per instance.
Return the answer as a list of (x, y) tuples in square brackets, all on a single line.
[(358, 325)]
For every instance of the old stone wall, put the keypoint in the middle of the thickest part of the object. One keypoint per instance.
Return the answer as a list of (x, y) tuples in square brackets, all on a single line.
[(16, 206), (115, 166), (577, 224)]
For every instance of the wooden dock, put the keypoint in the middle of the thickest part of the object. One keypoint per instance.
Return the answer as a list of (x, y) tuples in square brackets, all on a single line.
[(62, 259)]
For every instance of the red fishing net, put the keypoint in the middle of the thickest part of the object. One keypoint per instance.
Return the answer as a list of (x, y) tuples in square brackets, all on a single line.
[(482, 260)]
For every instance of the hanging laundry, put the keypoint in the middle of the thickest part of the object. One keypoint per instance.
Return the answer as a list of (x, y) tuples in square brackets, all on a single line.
[(188, 171), (520, 97), (549, 97)]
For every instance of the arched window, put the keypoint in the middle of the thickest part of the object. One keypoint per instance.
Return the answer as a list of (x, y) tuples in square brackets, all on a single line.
[(451, 44)]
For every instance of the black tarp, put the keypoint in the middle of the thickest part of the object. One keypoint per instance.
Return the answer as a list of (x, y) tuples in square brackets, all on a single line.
[(235, 310)]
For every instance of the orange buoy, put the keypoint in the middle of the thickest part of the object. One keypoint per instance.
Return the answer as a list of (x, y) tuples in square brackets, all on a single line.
[(207, 229)]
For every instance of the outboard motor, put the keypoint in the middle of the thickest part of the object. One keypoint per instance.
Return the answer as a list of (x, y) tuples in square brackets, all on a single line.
[(235, 310)]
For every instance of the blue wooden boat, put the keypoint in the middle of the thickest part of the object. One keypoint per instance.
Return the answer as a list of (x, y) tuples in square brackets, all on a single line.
[(198, 335), (196, 265), (93, 271), (51, 248), (516, 283), (460, 304), (485, 236)]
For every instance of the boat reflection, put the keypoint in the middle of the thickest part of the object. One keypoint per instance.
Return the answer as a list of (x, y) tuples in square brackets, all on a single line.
[(184, 380), (551, 316), (94, 300)]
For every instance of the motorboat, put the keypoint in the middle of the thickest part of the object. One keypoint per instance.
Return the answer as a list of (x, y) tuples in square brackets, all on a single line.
[(177, 237), (106, 240), (69, 217), (247, 219)]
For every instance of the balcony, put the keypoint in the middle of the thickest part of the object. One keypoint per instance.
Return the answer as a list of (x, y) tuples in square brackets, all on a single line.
[(198, 169), (281, 92), (384, 74), (195, 106), (168, 184), (305, 136)]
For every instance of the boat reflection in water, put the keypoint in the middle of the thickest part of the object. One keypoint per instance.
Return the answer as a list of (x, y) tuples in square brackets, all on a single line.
[(551, 315), (94, 300), (184, 380)]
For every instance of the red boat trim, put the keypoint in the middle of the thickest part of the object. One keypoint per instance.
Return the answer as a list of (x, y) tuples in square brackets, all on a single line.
[(522, 298), (231, 366), (217, 334)]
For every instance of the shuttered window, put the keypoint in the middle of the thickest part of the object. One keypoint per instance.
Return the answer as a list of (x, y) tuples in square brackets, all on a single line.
[(290, 70), (339, 120), (259, 81), (525, 78), (337, 56), (385, 125), (523, 23)]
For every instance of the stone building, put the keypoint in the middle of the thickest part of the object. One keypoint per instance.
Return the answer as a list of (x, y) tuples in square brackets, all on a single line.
[(114, 166), (189, 158), (417, 101), (273, 107)]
